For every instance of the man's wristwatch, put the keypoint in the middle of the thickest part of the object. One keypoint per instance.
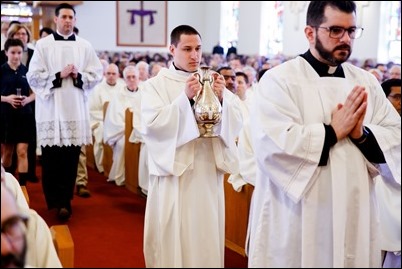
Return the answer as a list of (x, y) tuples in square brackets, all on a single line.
[(361, 139)]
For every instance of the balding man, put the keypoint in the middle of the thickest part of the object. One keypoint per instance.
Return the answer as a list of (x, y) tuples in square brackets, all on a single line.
[(114, 125), (143, 70), (395, 72), (102, 93)]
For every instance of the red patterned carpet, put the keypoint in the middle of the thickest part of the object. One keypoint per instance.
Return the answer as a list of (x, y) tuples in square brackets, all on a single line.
[(107, 228)]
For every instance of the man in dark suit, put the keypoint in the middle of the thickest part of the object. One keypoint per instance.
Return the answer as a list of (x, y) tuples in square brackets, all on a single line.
[(218, 49)]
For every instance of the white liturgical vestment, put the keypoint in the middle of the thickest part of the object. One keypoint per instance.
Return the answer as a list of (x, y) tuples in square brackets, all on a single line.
[(113, 130), (101, 94), (185, 212), (306, 215), (41, 252), (62, 114), (388, 190), (136, 137)]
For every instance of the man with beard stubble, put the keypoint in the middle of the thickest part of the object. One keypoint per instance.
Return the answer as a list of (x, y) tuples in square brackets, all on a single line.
[(317, 135), (13, 232)]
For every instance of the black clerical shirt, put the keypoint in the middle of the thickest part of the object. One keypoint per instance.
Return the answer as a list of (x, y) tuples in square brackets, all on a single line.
[(368, 145)]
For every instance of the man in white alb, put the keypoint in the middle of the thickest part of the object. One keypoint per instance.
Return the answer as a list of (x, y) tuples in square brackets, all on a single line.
[(185, 213), (102, 93), (114, 125), (319, 127)]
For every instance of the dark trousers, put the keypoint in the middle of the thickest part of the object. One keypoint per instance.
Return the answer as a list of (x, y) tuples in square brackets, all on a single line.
[(32, 152), (59, 171), (32, 158)]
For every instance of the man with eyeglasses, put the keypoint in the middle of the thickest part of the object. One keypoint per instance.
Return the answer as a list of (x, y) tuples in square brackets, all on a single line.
[(319, 127), (229, 76), (392, 90), (13, 232), (40, 250)]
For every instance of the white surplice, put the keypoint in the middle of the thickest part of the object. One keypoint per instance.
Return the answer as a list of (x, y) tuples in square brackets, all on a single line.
[(247, 164), (41, 252), (62, 115), (101, 94), (185, 213), (388, 192), (236, 180), (113, 130), (136, 137), (305, 215), (14, 187)]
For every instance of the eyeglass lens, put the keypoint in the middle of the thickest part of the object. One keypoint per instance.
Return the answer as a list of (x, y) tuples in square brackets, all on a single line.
[(339, 32), (14, 228)]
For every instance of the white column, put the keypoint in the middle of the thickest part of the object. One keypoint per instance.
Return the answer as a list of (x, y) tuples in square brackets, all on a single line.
[(249, 27)]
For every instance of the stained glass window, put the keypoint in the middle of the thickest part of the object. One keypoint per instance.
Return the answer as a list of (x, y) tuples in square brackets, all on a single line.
[(394, 31), (271, 41), (16, 12), (229, 32)]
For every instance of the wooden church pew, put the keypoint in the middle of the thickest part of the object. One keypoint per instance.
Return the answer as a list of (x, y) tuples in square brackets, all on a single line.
[(131, 155), (237, 207), (107, 160)]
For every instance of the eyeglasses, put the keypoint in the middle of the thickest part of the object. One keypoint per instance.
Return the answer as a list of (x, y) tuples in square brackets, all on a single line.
[(396, 96), (14, 228), (338, 32)]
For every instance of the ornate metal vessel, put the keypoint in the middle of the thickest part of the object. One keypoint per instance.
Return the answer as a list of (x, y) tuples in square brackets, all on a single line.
[(207, 108)]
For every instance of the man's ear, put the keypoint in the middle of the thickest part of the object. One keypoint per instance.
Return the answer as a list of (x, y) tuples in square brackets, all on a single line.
[(309, 32), (171, 49)]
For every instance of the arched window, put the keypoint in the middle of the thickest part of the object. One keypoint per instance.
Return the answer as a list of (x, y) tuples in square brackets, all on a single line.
[(271, 41), (229, 32), (390, 37)]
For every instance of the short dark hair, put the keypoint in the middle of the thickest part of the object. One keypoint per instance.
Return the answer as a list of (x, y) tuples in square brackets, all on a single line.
[(239, 73), (13, 42), (76, 30), (393, 82), (63, 5), (181, 30), (45, 30), (316, 10), (224, 68)]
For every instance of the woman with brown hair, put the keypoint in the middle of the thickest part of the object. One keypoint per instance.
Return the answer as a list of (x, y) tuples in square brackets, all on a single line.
[(17, 116)]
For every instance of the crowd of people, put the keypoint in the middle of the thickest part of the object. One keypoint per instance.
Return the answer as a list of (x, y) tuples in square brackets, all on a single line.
[(318, 136)]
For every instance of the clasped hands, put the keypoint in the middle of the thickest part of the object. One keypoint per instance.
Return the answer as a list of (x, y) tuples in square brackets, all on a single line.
[(17, 101), (347, 118), (193, 86), (69, 71)]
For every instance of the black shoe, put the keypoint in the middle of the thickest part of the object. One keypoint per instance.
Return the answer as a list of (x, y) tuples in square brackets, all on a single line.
[(63, 214), (82, 191)]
